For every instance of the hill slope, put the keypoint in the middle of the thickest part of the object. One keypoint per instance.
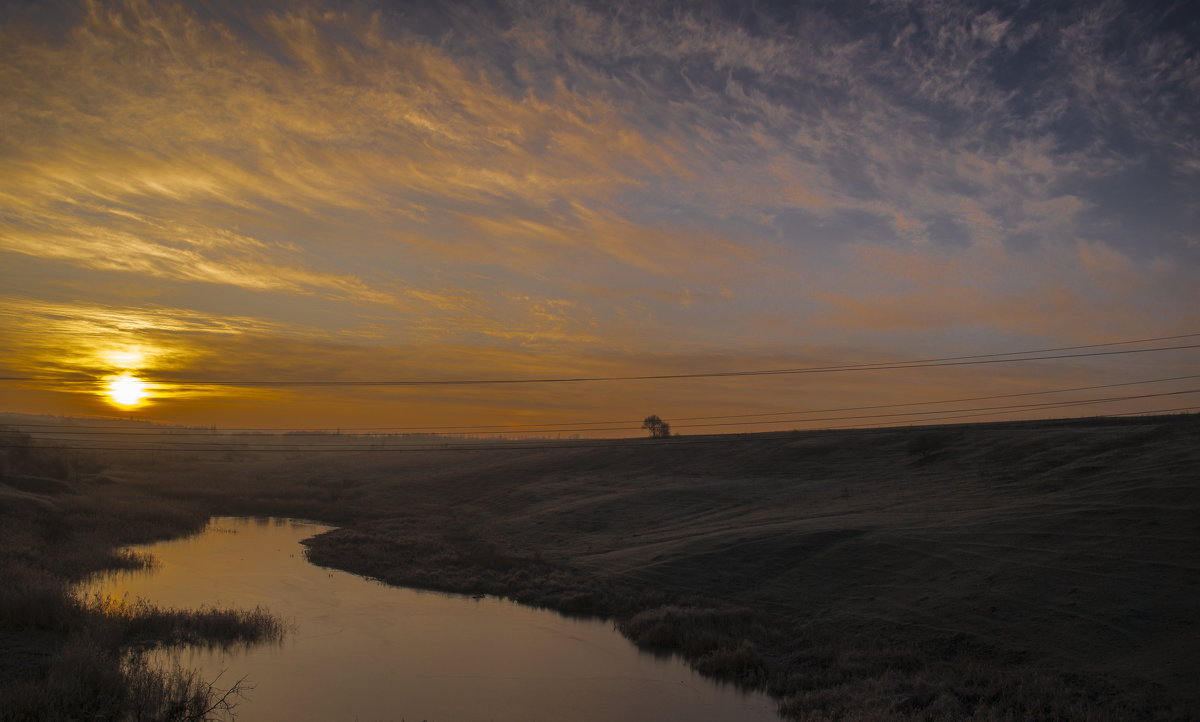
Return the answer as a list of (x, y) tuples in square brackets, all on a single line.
[(1033, 569)]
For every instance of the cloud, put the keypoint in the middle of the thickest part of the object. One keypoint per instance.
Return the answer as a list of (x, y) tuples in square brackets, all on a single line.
[(572, 179), (198, 254), (328, 113), (1083, 293), (149, 114), (79, 340)]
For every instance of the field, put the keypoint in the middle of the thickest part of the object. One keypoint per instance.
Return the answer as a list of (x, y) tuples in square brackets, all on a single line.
[(1003, 571)]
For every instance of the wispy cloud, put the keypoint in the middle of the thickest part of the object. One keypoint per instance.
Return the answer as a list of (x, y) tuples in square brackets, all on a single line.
[(573, 179)]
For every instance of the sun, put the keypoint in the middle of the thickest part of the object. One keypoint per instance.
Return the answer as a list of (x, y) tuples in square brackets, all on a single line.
[(126, 390)]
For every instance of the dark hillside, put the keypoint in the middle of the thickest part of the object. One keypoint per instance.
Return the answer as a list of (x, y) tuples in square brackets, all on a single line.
[(1001, 570)]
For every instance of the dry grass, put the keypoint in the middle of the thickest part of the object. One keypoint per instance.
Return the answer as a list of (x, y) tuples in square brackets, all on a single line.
[(89, 681), (138, 623), (69, 658), (990, 572)]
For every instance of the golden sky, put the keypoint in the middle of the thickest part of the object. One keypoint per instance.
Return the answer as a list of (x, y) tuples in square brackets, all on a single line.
[(200, 195)]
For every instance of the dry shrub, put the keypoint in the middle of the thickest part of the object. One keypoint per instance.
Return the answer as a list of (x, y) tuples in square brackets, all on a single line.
[(88, 681)]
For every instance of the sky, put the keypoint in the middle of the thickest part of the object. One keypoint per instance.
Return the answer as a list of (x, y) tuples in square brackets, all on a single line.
[(203, 196)]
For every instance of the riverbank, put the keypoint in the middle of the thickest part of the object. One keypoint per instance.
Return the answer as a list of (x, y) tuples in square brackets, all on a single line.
[(991, 572), (1040, 571), (67, 657)]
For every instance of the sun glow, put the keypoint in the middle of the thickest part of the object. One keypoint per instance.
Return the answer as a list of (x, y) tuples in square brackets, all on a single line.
[(126, 358), (126, 390)]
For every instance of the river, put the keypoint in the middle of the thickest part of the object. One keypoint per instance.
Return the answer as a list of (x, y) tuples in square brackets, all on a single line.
[(361, 650)]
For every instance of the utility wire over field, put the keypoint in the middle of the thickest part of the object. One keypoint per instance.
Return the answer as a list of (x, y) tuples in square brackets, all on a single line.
[(408, 437), (519, 444), (280, 439), (1045, 354), (86, 430)]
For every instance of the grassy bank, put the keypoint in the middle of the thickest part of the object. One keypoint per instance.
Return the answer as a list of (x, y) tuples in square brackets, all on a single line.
[(1039, 570), (67, 657), (979, 572)]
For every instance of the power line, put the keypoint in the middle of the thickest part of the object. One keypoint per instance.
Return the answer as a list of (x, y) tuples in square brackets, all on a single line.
[(554, 444), (1046, 404), (563, 427), (945, 401), (569, 426), (970, 414), (267, 442), (716, 374), (991, 358)]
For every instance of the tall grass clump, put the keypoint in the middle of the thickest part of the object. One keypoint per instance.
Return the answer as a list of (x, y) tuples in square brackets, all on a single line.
[(67, 657), (84, 658), (717, 641), (141, 623), (88, 681)]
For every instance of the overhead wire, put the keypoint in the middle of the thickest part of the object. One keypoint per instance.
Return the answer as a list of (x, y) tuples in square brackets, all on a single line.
[(974, 359), (567, 444), (628, 425), (290, 436), (357, 443), (567, 425), (944, 401), (615, 426)]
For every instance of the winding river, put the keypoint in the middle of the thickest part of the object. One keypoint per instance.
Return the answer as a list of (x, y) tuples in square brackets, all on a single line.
[(361, 650)]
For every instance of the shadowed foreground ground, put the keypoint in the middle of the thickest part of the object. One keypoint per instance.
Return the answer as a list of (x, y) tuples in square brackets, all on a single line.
[(1016, 571)]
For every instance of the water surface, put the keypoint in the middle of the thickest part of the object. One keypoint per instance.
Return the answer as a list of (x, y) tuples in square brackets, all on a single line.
[(361, 650)]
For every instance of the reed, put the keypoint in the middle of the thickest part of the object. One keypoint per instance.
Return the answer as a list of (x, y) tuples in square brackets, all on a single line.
[(69, 657)]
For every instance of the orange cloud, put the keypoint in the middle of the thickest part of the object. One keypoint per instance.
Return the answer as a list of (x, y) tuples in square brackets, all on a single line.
[(315, 191)]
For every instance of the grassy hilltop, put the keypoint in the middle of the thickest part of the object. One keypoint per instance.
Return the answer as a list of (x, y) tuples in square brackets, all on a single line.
[(1000, 571)]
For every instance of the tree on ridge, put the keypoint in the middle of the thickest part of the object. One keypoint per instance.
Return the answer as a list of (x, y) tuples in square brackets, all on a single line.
[(658, 428)]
